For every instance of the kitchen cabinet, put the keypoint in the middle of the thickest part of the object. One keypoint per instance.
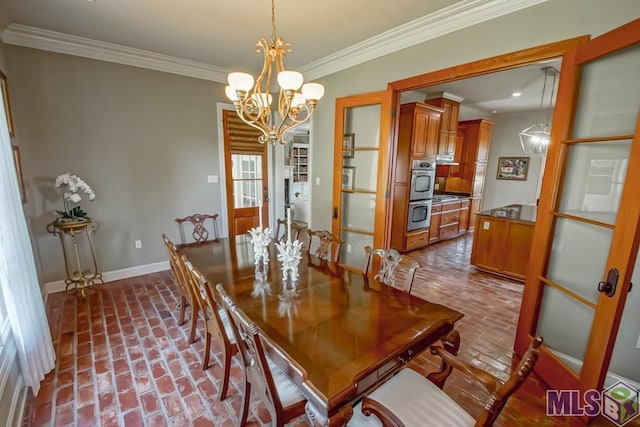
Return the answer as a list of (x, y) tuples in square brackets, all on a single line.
[(502, 240), (474, 208), (448, 125), (419, 129), (448, 219), (434, 224), (417, 140)]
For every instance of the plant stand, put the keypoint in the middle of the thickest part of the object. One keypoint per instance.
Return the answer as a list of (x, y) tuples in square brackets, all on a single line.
[(77, 248)]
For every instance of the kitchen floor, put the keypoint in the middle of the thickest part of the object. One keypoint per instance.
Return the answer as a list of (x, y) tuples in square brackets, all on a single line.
[(122, 360)]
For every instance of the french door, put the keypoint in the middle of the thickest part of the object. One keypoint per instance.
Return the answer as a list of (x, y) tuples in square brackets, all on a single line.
[(361, 170), (577, 291), (246, 175)]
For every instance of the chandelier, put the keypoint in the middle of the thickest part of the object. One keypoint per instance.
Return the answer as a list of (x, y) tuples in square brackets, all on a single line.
[(535, 138), (296, 102)]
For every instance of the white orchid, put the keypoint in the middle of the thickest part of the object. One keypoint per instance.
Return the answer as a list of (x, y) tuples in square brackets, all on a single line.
[(70, 185)]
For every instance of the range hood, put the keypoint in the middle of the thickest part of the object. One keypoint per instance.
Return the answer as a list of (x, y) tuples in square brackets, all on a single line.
[(446, 159)]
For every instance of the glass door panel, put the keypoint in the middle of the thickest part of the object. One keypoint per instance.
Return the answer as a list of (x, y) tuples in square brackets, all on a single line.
[(578, 255), (246, 173), (609, 94), (565, 324), (595, 180), (359, 181)]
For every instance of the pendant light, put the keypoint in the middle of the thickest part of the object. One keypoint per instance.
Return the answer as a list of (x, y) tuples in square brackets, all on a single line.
[(535, 138)]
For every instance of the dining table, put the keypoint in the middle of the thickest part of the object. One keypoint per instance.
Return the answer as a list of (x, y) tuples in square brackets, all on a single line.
[(337, 333)]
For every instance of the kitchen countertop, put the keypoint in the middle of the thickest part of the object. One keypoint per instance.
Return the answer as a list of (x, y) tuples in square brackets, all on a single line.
[(525, 213), (444, 198)]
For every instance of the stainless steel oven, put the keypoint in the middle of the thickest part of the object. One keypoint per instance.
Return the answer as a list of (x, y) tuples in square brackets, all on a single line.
[(419, 214), (423, 175)]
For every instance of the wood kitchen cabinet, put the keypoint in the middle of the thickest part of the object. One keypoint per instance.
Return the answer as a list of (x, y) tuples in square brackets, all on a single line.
[(448, 125), (418, 131), (434, 224), (502, 240)]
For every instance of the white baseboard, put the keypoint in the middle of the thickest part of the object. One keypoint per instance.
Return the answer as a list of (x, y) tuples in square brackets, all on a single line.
[(110, 276), (16, 412)]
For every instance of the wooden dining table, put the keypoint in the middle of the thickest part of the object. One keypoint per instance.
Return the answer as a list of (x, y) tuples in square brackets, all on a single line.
[(338, 334)]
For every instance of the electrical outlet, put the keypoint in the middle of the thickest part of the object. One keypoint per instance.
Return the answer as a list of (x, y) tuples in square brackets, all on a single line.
[(317, 180), (436, 186), (138, 244), (348, 248), (485, 225)]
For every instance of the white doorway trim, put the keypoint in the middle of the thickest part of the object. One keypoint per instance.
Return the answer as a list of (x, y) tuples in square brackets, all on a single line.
[(223, 225)]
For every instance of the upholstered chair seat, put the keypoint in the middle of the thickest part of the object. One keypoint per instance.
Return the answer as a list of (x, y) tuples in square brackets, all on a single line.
[(416, 401)]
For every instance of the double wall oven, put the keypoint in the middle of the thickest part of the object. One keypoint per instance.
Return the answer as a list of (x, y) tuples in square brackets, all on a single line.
[(423, 175)]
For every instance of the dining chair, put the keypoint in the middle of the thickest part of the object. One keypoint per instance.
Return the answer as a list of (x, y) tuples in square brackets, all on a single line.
[(281, 230), (199, 230), (284, 400), (326, 247), (187, 297), (395, 270), (409, 399), (216, 324)]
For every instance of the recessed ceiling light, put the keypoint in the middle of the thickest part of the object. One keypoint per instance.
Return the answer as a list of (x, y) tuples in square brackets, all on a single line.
[(516, 94), (494, 111)]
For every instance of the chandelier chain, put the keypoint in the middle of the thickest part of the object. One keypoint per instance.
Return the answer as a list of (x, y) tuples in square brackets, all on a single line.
[(273, 20)]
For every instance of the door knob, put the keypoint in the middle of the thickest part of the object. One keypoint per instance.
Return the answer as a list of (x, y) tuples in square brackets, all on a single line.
[(335, 212), (609, 287)]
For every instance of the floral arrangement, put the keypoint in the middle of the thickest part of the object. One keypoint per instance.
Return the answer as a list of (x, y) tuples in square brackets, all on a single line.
[(71, 185)]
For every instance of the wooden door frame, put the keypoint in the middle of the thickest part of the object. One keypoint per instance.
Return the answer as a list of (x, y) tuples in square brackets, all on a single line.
[(481, 67)]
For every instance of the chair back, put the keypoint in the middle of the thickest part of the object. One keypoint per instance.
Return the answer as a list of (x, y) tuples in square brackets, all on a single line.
[(504, 390), (324, 245), (207, 302), (197, 224), (281, 230), (394, 271), (175, 262), (252, 351)]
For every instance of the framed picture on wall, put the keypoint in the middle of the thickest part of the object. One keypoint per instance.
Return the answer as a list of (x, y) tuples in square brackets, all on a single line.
[(348, 178), (513, 168), (347, 145), (5, 97)]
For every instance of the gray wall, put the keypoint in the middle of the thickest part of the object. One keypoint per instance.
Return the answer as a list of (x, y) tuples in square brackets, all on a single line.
[(506, 143), (562, 19), (144, 141)]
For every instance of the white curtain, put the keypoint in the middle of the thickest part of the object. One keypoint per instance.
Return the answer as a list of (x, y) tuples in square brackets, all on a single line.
[(19, 285)]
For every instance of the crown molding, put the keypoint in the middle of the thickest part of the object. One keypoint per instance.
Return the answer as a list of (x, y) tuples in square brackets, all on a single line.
[(22, 35), (456, 17), (453, 18)]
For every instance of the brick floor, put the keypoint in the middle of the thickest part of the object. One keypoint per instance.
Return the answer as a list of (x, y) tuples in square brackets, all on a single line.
[(123, 361)]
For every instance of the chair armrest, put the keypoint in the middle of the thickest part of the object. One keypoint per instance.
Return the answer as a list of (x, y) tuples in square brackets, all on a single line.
[(490, 382), (386, 417)]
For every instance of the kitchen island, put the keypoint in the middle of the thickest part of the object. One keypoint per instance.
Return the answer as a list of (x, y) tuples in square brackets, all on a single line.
[(502, 240)]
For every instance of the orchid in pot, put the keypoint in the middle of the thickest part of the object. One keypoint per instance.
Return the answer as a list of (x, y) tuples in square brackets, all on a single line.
[(71, 185)]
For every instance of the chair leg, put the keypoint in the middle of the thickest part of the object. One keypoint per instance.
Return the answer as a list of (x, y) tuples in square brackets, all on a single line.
[(194, 321), (244, 407), (182, 307), (207, 350), (226, 373)]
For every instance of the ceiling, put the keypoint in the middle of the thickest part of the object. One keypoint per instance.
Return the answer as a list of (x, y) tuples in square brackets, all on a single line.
[(208, 38)]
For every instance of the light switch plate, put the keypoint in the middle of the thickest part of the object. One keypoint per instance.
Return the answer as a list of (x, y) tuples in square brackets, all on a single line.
[(485, 225), (212, 179)]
